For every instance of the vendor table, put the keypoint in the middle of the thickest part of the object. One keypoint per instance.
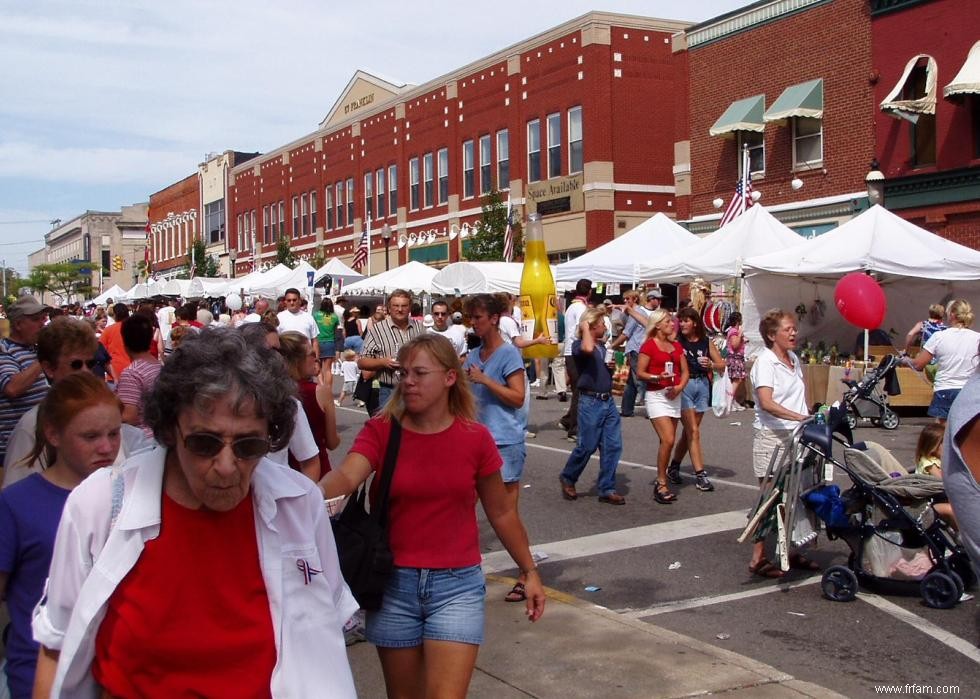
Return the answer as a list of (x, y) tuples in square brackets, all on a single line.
[(823, 384)]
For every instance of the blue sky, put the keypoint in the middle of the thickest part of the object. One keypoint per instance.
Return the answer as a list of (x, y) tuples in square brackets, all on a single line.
[(103, 103)]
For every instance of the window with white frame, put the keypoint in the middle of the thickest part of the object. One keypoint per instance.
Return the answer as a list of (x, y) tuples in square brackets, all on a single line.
[(757, 151), (339, 195), (576, 159), (534, 150), (350, 201), (214, 221), (275, 224), (413, 184), (469, 186), (554, 145), (369, 195), (266, 225), (252, 230), (807, 142), (503, 160), (380, 192), (295, 217), (304, 213), (240, 231), (392, 190), (313, 220), (442, 158), (282, 218), (328, 206), (486, 165), (428, 177)]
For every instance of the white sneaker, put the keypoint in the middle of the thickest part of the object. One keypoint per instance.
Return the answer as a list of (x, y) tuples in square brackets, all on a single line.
[(337, 403), (536, 383)]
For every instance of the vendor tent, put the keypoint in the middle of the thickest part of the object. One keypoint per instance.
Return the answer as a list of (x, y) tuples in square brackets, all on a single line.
[(175, 287), (915, 268), (336, 269), (115, 292), (296, 279), (413, 276), (632, 256), (207, 287), (462, 278), (721, 254), (260, 280)]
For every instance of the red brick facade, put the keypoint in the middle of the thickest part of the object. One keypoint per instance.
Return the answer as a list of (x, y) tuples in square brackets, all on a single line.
[(174, 223)]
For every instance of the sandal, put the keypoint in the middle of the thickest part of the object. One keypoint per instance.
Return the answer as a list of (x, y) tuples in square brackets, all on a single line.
[(801, 562), (765, 569), (516, 594), (663, 495)]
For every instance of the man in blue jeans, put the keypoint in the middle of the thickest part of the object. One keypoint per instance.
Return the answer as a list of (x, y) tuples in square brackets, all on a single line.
[(599, 424), (634, 335)]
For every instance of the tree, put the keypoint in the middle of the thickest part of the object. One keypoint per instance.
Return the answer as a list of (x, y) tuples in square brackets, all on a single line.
[(488, 243), (69, 281), (319, 259), (205, 265), (284, 252), (11, 283)]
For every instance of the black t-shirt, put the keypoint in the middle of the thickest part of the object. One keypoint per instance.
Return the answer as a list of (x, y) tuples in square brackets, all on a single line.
[(692, 351), (593, 374)]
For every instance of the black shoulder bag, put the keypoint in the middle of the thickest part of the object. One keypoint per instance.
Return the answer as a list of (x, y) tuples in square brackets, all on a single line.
[(362, 537)]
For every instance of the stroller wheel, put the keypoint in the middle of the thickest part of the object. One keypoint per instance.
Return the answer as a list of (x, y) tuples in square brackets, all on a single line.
[(890, 419), (839, 584), (852, 420), (940, 590)]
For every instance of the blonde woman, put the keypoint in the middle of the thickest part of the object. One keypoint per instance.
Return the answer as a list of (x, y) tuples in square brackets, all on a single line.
[(662, 364), (955, 351)]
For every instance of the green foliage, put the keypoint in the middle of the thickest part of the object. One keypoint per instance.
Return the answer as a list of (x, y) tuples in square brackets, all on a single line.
[(69, 281), (319, 259), (284, 252), (488, 243), (205, 265)]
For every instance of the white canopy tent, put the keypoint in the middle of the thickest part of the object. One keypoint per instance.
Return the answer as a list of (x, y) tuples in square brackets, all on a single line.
[(207, 287), (296, 279), (115, 292), (336, 269), (260, 280), (632, 256), (721, 254), (461, 278), (915, 268), (175, 287), (412, 276)]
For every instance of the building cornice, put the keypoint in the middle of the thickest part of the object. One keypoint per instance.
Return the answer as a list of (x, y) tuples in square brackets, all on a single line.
[(881, 7), (745, 18), (928, 189)]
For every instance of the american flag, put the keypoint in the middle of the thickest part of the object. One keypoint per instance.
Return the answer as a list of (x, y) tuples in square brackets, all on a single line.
[(742, 199), (509, 233), (361, 254)]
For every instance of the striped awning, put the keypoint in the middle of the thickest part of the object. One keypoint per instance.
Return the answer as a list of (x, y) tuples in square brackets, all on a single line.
[(967, 81), (911, 109), (803, 100), (743, 115)]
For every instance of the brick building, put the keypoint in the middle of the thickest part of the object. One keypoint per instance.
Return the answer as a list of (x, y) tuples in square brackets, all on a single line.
[(577, 123), (927, 112)]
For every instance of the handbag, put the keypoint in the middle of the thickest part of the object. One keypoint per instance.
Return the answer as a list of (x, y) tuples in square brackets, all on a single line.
[(362, 389), (366, 561), (722, 395)]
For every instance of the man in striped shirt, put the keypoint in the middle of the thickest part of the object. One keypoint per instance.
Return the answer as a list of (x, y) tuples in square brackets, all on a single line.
[(384, 338), (22, 383)]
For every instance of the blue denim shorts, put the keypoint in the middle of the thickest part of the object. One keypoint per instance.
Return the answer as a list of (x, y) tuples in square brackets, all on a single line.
[(514, 456), (436, 604), (696, 395), (942, 401)]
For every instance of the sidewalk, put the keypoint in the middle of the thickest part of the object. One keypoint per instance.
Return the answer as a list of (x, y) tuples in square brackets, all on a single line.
[(580, 650)]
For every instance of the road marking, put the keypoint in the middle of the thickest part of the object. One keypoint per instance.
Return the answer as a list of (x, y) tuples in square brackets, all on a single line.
[(923, 625), (696, 602), (648, 467), (623, 539)]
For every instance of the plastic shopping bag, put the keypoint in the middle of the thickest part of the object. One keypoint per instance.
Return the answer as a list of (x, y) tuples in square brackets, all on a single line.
[(722, 395)]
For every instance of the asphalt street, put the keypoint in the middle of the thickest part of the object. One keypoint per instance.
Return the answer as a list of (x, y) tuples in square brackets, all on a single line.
[(679, 567)]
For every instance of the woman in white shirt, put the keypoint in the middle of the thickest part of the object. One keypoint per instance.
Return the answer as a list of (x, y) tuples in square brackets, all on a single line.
[(955, 350)]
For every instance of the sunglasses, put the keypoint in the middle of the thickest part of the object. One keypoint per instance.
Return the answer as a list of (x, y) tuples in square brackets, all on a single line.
[(77, 364), (208, 445), (438, 313)]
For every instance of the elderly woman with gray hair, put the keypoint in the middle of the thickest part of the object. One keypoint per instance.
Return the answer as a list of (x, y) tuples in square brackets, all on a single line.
[(201, 565)]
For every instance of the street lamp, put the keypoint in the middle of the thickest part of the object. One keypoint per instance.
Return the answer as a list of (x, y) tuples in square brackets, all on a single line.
[(386, 236), (875, 182)]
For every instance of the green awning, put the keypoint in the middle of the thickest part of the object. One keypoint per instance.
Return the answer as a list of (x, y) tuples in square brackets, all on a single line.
[(803, 100), (743, 115)]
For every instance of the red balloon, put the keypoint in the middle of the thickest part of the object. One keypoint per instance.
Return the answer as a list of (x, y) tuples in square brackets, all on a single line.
[(860, 300)]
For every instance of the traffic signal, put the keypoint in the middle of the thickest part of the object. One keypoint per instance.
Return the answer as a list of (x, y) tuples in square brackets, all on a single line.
[(117, 263)]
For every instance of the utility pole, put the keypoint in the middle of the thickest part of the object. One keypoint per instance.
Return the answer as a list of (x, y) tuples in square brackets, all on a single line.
[(4, 279)]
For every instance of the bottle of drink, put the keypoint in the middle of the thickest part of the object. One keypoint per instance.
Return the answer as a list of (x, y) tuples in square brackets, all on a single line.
[(538, 300)]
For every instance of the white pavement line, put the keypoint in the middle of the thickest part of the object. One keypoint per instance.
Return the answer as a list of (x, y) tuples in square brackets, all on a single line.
[(622, 539), (923, 625), (648, 467), (697, 602)]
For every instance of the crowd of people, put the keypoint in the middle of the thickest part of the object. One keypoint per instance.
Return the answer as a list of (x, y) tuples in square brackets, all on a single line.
[(140, 441)]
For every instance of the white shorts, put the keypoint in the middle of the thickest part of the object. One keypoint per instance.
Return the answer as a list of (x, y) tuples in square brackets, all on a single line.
[(659, 405), (764, 443)]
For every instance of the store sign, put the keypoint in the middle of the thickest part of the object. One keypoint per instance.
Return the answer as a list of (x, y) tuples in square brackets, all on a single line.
[(556, 196), (353, 106)]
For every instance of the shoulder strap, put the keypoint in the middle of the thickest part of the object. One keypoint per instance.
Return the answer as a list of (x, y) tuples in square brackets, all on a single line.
[(388, 471)]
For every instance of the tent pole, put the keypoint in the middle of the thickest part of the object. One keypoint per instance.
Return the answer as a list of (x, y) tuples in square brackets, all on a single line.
[(866, 345)]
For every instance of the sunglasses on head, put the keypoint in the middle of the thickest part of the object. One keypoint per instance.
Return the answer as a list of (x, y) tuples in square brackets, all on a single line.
[(207, 445), (77, 364)]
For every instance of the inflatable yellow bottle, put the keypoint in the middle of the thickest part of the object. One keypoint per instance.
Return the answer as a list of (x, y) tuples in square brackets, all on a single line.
[(538, 300)]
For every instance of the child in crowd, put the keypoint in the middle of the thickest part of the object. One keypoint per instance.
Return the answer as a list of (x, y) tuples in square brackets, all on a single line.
[(735, 355), (928, 462), (349, 370)]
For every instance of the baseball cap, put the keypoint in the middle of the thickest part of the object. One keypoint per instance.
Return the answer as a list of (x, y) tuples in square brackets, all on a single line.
[(427, 321), (457, 317), (607, 302), (654, 294), (26, 306)]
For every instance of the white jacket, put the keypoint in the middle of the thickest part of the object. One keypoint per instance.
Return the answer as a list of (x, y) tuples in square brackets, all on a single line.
[(92, 556)]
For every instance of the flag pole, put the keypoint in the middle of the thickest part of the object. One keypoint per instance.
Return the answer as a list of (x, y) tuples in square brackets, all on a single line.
[(369, 245)]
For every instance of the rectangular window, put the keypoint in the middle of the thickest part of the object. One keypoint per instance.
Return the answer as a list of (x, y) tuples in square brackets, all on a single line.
[(304, 213), (369, 195), (350, 201), (252, 231), (282, 218), (534, 150), (503, 160), (392, 190), (295, 217), (313, 220), (807, 142), (428, 177), (214, 221), (379, 177), (576, 160), (554, 145), (239, 231), (413, 184), (757, 152), (328, 205), (923, 131), (468, 172), (266, 223), (486, 165), (275, 224), (339, 189), (443, 162)]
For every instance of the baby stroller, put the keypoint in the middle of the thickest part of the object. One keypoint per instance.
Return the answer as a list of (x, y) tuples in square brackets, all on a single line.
[(868, 398)]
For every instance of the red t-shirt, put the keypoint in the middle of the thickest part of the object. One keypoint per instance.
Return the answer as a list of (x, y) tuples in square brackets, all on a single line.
[(431, 508), (192, 616), (658, 361), (316, 418), (111, 339)]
